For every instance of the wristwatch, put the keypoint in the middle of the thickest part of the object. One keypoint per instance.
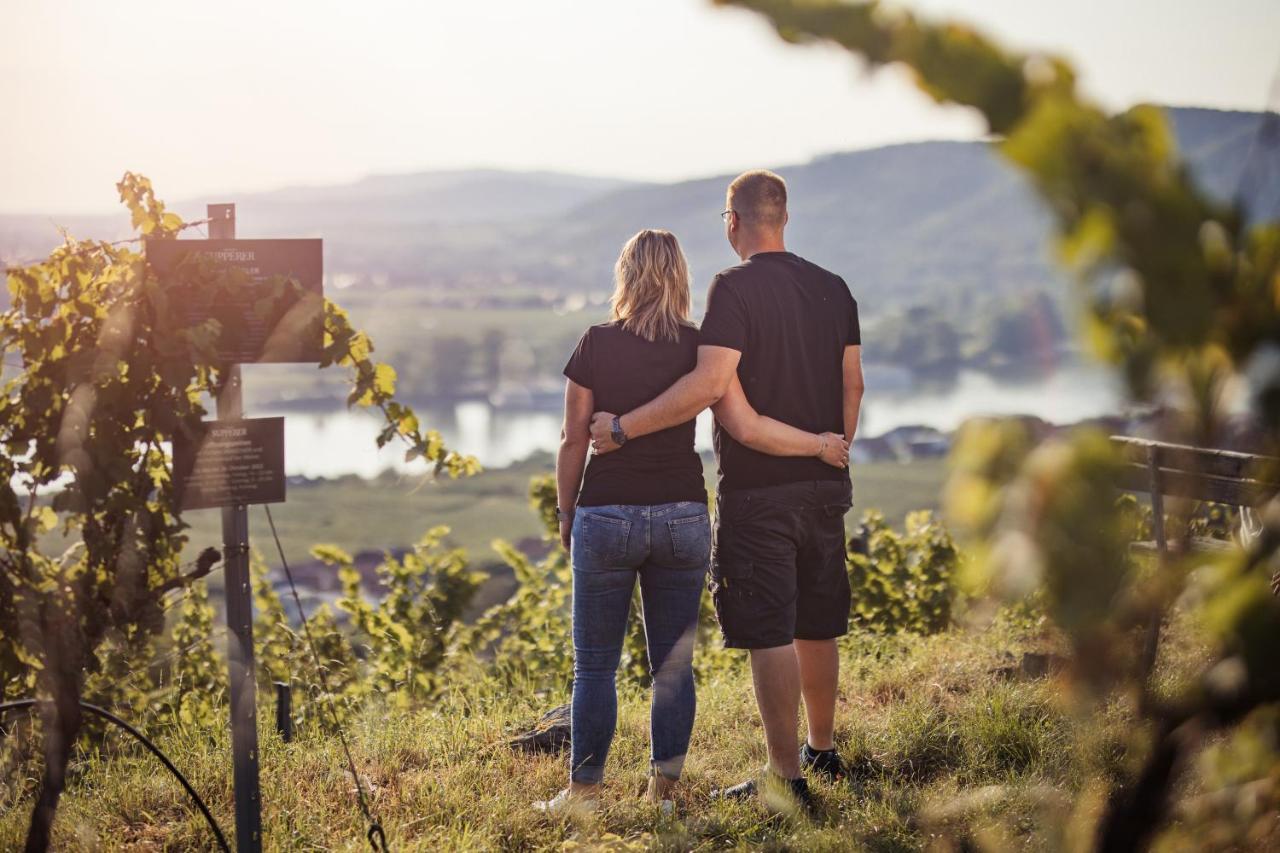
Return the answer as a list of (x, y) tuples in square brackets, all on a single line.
[(619, 437)]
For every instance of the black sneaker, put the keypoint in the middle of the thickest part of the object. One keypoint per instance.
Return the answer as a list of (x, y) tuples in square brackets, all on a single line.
[(741, 791), (824, 762), (779, 794)]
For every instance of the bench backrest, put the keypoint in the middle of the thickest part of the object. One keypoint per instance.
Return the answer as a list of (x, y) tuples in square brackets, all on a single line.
[(1221, 476), (1178, 470)]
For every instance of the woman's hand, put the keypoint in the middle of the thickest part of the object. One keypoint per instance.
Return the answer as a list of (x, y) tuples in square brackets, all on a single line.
[(832, 450), (602, 433), (566, 528)]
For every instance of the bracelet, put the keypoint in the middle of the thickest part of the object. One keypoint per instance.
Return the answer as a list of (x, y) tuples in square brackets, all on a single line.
[(822, 445)]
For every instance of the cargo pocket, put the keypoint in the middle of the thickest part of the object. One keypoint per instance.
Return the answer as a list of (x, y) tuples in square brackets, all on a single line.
[(730, 563), (604, 538), (731, 595)]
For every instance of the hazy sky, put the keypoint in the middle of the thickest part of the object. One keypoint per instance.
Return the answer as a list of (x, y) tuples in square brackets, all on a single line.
[(212, 98)]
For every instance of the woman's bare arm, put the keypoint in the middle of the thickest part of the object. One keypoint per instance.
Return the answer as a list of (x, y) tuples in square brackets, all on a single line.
[(746, 425), (571, 460)]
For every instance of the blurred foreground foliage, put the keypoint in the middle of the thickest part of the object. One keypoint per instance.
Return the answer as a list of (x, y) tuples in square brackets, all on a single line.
[(1182, 296)]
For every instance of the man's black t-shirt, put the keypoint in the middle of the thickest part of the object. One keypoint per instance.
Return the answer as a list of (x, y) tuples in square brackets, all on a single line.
[(791, 320), (625, 371)]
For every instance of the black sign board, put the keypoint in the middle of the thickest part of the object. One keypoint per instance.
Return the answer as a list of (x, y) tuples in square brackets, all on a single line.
[(230, 462), (237, 283)]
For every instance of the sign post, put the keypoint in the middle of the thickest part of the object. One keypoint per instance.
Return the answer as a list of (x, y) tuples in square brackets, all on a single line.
[(235, 554), (233, 287)]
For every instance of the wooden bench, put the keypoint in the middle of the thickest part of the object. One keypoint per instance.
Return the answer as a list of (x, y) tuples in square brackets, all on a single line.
[(1178, 470)]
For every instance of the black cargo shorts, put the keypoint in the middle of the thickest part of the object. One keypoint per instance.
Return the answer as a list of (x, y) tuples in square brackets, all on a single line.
[(778, 564)]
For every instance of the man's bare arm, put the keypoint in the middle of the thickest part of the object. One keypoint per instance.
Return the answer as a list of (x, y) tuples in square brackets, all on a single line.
[(692, 393), (853, 388)]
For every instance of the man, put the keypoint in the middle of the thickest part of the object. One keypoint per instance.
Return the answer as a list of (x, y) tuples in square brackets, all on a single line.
[(789, 329)]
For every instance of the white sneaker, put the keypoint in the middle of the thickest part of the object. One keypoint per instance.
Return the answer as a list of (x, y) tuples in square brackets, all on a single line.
[(566, 803)]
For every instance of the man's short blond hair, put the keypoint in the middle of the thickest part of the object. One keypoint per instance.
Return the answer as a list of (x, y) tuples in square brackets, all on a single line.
[(759, 197)]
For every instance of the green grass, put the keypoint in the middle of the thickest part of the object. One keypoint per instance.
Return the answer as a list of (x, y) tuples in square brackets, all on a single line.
[(897, 488), (924, 721), (390, 512)]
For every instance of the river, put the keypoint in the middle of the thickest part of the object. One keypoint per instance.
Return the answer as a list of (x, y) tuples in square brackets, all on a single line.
[(343, 442)]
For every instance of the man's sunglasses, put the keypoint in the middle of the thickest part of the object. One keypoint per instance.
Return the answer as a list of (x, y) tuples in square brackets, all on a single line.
[(724, 214)]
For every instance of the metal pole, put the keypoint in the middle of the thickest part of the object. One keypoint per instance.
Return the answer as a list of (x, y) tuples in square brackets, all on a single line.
[(284, 711), (1157, 502), (235, 540)]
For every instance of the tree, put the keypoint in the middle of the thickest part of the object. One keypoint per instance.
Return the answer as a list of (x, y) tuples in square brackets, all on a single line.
[(450, 363), (110, 373), (492, 342), (1024, 331), (1181, 297)]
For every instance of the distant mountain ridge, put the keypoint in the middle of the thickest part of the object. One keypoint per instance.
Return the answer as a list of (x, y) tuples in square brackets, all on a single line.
[(904, 223), (469, 195)]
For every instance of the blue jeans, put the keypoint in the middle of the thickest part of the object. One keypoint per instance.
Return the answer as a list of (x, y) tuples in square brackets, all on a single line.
[(668, 546)]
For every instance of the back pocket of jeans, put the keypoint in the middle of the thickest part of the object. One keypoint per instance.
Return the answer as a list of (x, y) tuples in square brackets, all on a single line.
[(690, 540), (605, 538)]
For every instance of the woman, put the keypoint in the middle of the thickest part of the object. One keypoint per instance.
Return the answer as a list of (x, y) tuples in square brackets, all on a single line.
[(641, 512)]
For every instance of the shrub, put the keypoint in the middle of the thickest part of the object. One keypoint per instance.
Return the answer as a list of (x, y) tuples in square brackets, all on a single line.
[(404, 637), (902, 581)]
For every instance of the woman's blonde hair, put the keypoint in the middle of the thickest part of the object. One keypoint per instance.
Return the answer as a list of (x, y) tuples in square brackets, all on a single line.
[(651, 293)]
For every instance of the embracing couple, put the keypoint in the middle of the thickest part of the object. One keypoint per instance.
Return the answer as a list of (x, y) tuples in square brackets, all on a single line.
[(777, 359)]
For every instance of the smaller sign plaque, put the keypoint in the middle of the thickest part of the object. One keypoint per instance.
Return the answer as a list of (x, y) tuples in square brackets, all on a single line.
[(230, 462)]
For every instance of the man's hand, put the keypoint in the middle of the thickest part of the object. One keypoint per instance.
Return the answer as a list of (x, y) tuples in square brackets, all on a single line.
[(834, 450), (602, 433)]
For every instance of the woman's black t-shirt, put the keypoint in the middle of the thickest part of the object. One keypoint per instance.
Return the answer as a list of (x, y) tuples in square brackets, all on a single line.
[(624, 371)]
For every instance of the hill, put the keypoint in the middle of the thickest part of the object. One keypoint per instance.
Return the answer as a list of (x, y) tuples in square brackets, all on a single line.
[(455, 274), (378, 217), (916, 222)]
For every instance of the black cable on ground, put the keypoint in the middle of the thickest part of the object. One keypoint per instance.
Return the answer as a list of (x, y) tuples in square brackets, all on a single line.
[(27, 704), (377, 837)]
